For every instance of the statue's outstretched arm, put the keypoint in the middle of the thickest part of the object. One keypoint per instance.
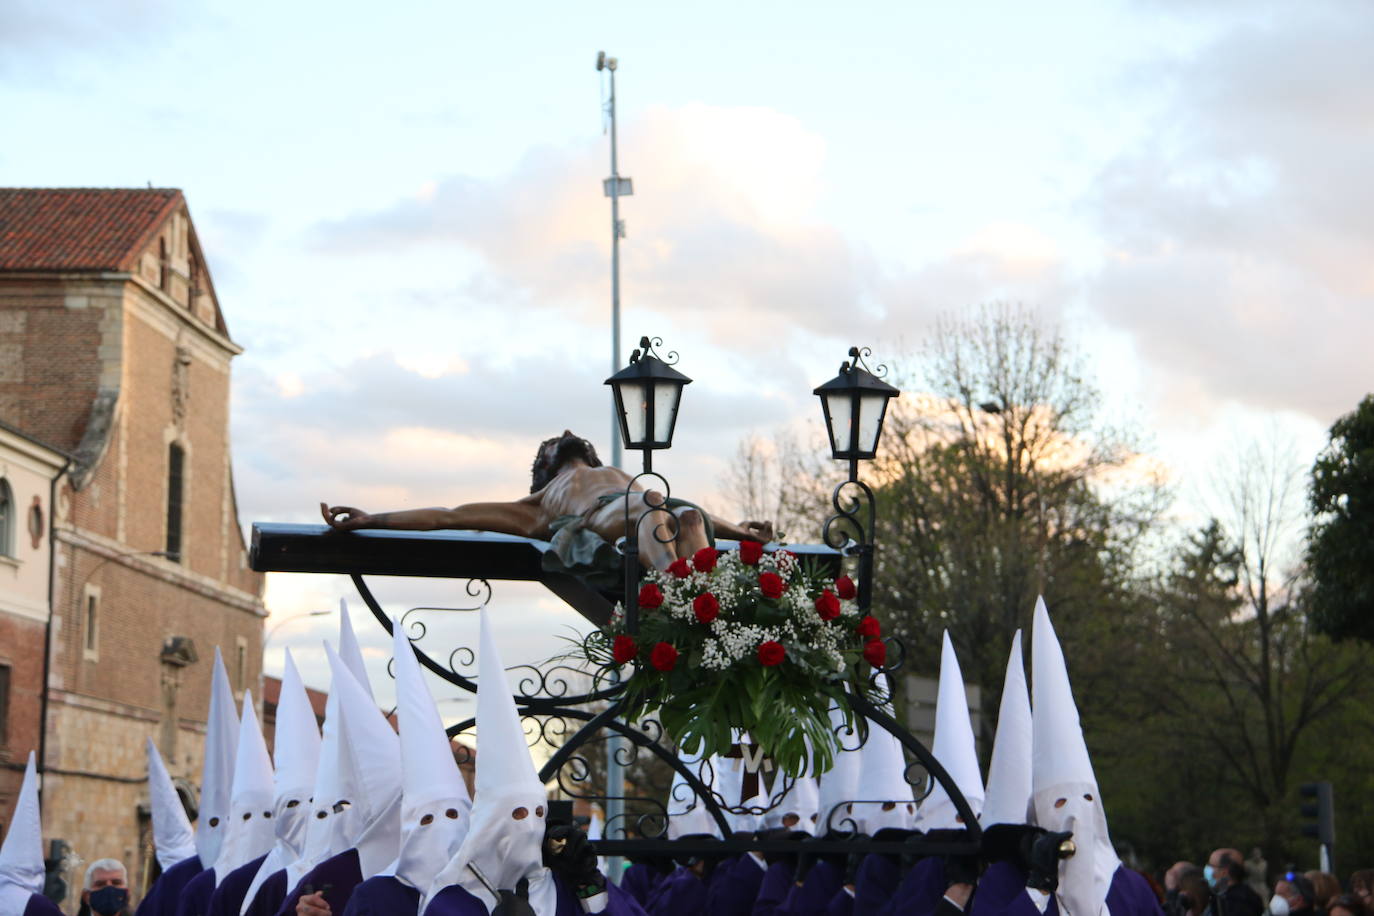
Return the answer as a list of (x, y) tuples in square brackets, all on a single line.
[(522, 518), (744, 531)]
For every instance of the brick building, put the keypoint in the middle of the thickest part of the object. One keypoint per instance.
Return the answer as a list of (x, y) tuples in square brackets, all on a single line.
[(114, 351)]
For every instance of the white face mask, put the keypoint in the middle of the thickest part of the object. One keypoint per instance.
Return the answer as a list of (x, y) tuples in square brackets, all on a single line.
[(1278, 906)]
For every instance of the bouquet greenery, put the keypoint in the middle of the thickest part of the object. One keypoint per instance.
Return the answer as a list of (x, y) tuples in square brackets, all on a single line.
[(744, 641)]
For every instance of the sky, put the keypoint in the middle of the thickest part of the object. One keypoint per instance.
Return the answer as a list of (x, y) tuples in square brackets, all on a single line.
[(401, 208)]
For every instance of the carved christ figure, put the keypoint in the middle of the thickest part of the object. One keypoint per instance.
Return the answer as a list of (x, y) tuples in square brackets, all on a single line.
[(570, 492)]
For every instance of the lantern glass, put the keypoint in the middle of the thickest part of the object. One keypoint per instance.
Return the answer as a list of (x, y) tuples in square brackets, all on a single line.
[(633, 410), (848, 439), (634, 396)]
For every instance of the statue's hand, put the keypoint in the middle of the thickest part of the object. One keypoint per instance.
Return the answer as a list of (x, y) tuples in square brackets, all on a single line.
[(344, 518), (759, 531)]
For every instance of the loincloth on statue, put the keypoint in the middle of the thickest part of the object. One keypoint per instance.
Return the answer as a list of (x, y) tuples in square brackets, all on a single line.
[(577, 550)]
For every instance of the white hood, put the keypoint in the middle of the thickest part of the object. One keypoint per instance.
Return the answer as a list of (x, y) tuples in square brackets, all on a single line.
[(953, 747), (687, 816), (505, 838), (21, 856), (882, 777), (1061, 769), (251, 831), (803, 800), (1009, 775), (839, 786), (435, 808), (371, 753), (172, 834), (297, 753), (350, 652), (217, 773)]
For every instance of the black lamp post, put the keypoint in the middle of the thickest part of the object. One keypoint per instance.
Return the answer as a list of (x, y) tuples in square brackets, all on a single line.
[(855, 405), (647, 394)]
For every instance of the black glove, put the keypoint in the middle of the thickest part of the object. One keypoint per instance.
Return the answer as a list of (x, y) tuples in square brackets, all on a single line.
[(1041, 856), (569, 854), (1002, 842), (783, 833), (516, 902), (960, 868)]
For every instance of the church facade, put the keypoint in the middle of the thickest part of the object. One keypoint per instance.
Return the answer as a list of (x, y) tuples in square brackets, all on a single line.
[(115, 355)]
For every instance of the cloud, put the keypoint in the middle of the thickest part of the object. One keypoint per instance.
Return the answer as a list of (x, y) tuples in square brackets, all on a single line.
[(1236, 240), (38, 38)]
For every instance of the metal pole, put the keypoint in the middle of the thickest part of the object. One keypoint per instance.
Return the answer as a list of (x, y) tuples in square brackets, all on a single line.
[(615, 773)]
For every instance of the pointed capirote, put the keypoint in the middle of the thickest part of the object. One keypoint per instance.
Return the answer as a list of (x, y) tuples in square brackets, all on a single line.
[(1007, 799), (251, 832), (296, 754), (21, 855), (882, 777), (1060, 755), (953, 747), (217, 771), (173, 838), (351, 652), (801, 801), (687, 816), (505, 838), (328, 831), (839, 785), (371, 752), (435, 807)]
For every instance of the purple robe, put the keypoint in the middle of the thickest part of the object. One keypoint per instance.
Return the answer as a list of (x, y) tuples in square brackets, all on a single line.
[(842, 904), (682, 893), (921, 890), (341, 875), (735, 887), (875, 883), (39, 905), (455, 901), (162, 896), (812, 896), (228, 896), (1128, 895), (195, 896), (999, 885), (639, 881), (773, 890), (270, 895), (383, 895)]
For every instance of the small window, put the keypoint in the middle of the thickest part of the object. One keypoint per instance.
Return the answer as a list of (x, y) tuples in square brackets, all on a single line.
[(240, 662), (164, 275), (6, 519), (4, 705), (90, 624), (176, 460)]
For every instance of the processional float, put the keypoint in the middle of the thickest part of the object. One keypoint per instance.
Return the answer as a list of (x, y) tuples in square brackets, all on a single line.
[(571, 719)]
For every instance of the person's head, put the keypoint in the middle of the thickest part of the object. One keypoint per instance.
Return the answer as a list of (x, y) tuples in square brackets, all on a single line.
[(106, 886), (1224, 868), (556, 452), (1175, 874), (1362, 885), (1346, 905), (1326, 886), (1193, 892), (1293, 893)]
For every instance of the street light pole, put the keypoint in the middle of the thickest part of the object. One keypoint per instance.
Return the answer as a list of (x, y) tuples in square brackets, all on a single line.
[(281, 623)]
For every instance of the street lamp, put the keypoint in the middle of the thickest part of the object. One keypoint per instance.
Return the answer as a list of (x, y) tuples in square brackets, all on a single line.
[(281, 623), (855, 405), (647, 394)]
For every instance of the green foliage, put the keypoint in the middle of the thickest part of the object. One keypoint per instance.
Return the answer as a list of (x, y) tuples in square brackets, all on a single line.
[(1340, 550)]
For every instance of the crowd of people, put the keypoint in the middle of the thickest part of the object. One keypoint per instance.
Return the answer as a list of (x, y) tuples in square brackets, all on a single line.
[(367, 819)]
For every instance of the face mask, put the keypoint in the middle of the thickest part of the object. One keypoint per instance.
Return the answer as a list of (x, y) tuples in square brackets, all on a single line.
[(1210, 875), (1278, 906), (109, 900)]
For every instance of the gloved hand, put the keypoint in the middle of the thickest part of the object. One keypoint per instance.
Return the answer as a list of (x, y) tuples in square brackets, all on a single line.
[(568, 853), (1002, 842), (1041, 855), (516, 902), (782, 833), (960, 868)]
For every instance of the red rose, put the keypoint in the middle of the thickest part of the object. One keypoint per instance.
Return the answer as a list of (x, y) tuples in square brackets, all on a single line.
[(680, 568), (749, 552), (827, 605), (650, 596), (875, 652), (845, 588), (869, 628), (706, 607), (771, 585), (771, 653), (664, 656), (704, 560), (624, 649)]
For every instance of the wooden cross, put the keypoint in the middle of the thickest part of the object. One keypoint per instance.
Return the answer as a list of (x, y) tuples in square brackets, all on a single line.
[(754, 761)]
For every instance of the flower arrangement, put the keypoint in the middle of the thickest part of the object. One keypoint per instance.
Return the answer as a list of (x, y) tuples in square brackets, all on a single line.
[(744, 640)]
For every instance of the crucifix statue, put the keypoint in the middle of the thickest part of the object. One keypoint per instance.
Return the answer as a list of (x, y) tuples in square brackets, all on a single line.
[(579, 505)]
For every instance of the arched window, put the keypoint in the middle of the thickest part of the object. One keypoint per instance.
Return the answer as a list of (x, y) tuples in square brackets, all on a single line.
[(7, 519), (176, 460)]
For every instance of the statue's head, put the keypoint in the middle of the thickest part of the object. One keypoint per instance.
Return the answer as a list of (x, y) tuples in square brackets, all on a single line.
[(556, 452)]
